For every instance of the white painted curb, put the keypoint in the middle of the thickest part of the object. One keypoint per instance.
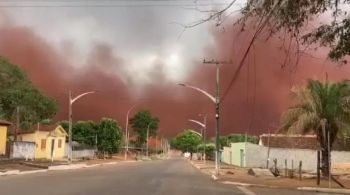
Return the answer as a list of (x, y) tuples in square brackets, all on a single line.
[(10, 172), (326, 190), (33, 171), (214, 177), (237, 183), (109, 163), (66, 167)]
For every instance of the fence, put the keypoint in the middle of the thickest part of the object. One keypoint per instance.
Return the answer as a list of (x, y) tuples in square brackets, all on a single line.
[(20, 150), (80, 152)]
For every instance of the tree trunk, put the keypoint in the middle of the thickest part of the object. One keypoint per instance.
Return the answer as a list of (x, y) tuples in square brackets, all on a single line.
[(325, 162)]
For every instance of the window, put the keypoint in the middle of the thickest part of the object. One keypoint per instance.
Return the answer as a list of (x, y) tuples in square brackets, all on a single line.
[(43, 144), (59, 143)]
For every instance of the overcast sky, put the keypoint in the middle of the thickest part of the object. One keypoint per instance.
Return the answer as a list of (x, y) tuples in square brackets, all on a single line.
[(143, 35)]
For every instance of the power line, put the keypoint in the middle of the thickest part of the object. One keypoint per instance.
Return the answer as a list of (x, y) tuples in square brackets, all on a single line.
[(112, 5)]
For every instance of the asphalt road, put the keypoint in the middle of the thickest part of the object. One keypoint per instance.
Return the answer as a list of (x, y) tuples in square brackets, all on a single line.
[(167, 177)]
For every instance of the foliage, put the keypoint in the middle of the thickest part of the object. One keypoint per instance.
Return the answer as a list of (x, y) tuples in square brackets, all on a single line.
[(320, 105), (142, 121), (17, 90), (187, 141), (109, 136), (292, 17), (209, 150), (225, 141), (108, 132)]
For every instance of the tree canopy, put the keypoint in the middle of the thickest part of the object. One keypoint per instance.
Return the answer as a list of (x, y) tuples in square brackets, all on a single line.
[(109, 136), (16, 90), (142, 121), (293, 18), (234, 138), (187, 141), (320, 108)]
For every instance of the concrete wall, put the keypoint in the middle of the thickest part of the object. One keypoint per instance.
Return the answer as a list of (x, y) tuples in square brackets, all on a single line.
[(22, 150), (87, 153), (233, 155), (3, 139), (256, 156)]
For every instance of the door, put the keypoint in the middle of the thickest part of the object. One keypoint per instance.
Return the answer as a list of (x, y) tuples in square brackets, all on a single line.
[(52, 148), (241, 158)]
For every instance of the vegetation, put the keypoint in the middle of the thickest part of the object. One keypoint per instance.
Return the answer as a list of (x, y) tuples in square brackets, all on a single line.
[(16, 90), (142, 122), (209, 150), (109, 136), (187, 141), (108, 132), (234, 138), (291, 17), (320, 108)]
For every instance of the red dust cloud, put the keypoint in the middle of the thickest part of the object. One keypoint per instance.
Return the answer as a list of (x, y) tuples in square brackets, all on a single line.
[(253, 104)]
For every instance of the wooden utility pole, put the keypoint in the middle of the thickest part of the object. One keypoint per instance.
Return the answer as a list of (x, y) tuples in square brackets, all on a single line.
[(217, 109)]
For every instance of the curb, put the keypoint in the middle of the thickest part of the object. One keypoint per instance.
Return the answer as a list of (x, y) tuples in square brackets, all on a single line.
[(66, 167), (10, 172), (33, 171), (326, 190)]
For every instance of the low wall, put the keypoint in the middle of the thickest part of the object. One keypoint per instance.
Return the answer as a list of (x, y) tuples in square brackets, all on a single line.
[(256, 156), (88, 153), (21, 150)]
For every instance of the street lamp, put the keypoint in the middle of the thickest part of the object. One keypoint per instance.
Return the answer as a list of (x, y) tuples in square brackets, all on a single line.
[(71, 101), (216, 101), (204, 128), (127, 132)]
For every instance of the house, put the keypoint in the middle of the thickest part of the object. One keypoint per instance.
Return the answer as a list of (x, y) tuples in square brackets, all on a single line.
[(3, 136), (49, 141)]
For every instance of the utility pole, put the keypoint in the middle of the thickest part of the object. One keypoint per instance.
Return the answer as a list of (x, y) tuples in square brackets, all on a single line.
[(147, 138), (70, 103), (217, 110), (17, 123)]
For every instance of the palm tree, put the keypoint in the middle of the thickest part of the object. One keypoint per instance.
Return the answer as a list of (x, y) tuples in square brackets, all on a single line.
[(320, 108)]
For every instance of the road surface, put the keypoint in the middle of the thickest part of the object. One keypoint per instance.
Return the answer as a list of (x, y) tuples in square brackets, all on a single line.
[(175, 176)]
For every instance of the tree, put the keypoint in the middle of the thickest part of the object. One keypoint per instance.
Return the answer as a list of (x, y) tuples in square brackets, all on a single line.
[(225, 141), (142, 121), (85, 132), (109, 136), (292, 17), (187, 141), (209, 150), (16, 90), (320, 107)]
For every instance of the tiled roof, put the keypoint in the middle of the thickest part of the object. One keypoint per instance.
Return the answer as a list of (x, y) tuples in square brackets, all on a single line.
[(301, 142), (5, 123)]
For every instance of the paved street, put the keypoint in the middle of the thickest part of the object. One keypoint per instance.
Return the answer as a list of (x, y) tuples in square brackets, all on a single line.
[(143, 178)]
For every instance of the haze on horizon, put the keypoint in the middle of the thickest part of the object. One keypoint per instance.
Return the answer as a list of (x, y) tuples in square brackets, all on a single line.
[(135, 52)]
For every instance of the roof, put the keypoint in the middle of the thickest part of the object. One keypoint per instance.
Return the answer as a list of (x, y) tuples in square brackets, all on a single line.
[(41, 127), (289, 141), (5, 123), (297, 141)]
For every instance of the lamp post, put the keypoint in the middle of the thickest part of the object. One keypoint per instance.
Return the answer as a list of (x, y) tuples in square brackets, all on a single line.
[(216, 101), (126, 150), (204, 128), (71, 101)]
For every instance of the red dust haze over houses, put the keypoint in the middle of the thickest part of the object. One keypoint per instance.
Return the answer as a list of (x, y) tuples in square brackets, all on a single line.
[(253, 103)]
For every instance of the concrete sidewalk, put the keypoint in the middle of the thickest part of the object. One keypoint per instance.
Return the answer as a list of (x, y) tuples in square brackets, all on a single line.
[(231, 175)]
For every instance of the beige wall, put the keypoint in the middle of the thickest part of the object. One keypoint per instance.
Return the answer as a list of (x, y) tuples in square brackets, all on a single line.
[(3, 139)]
